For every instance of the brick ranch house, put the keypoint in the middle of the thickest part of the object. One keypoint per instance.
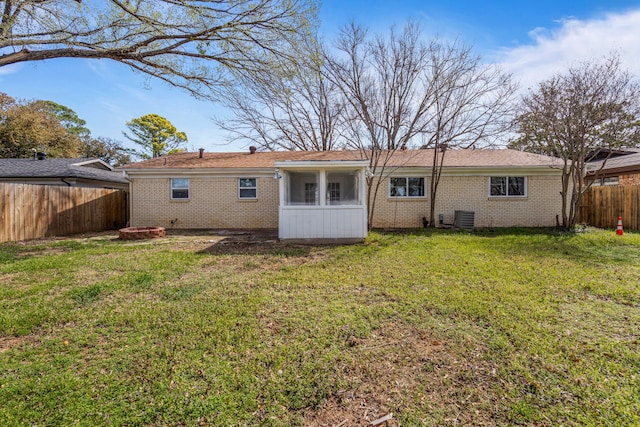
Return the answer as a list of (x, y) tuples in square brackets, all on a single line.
[(622, 168), (322, 195)]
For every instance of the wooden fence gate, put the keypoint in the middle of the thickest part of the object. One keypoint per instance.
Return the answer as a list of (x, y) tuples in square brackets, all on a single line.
[(601, 206), (34, 211)]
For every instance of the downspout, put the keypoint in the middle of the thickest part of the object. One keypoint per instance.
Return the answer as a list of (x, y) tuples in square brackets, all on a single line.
[(127, 213), (68, 184)]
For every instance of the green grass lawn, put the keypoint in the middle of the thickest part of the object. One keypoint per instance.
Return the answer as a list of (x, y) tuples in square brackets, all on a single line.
[(507, 327)]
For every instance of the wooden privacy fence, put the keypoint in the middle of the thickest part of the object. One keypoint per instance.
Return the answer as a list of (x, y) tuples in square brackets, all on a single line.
[(35, 211), (601, 206)]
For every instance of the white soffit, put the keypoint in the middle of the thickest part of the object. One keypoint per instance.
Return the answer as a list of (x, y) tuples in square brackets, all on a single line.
[(321, 164)]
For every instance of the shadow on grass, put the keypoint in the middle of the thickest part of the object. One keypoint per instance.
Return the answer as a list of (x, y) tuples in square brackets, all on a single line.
[(256, 245), (513, 232), (482, 232)]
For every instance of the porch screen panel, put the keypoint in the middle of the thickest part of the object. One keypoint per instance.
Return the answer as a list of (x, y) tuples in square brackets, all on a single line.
[(302, 188), (342, 188)]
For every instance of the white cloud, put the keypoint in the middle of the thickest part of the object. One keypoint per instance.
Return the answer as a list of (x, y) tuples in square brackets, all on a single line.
[(9, 69), (575, 41)]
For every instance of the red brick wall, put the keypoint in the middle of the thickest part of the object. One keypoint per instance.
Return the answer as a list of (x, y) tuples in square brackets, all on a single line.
[(630, 179)]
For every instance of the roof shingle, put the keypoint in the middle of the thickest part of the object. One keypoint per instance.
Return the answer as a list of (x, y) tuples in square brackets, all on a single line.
[(626, 162), (57, 168), (408, 158)]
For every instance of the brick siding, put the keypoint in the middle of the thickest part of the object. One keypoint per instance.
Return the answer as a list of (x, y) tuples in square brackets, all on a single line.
[(470, 193), (630, 179), (214, 203)]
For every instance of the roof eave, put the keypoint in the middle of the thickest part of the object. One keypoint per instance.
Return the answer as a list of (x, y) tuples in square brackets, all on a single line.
[(311, 164), (90, 161), (201, 171)]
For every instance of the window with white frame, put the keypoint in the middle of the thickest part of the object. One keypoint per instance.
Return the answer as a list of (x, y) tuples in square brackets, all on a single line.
[(247, 188), (179, 188), (333, 192), (406, 187), (507, 186), (310, 193)]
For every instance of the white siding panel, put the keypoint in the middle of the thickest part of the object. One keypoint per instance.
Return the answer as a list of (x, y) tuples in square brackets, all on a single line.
[(322, 222)]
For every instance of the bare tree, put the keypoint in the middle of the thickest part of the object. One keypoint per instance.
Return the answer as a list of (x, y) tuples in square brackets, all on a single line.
[(293, 108), (376, 94), (190, 44), (473, 106), (387, 96), (592, 106), (401, 90)]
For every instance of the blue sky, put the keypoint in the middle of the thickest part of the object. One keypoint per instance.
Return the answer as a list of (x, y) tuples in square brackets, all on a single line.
[(531, 39)]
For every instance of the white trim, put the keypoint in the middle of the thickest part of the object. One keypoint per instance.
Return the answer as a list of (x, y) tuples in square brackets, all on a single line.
[(201, 172), (194, 176), (321, 164), (88, 162), (321, 191), (301, 165), (255, 187), (477, 171), (180, 188)]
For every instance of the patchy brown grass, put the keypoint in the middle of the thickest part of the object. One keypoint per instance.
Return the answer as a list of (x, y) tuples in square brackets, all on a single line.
[(235, 328), (400, 368), (7, 343)]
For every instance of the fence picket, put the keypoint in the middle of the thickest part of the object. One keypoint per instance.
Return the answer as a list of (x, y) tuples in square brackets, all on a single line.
[(35, 211), (601, 206)]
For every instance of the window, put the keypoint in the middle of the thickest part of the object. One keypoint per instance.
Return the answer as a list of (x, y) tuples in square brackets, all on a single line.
[(507, 186), (406, 187), (610, 180), (333, 192), (310, 193), (247, 188), (179, 188)]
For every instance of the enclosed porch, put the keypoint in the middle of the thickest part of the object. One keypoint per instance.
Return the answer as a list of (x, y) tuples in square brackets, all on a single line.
[(322, 201)]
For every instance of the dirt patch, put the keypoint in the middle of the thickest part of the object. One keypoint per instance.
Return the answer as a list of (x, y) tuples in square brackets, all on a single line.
[(262, 242), (7, 343), (264, 247), (243, 241), (218, 241), (191, 243), (261, 257), (400, 365), (98, 235), (171, 234), (29, 253)]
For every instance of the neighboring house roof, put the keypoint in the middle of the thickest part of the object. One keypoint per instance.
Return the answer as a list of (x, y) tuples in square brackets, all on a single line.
[(605, 153), (621, 164), (87, 169), (408, 158)]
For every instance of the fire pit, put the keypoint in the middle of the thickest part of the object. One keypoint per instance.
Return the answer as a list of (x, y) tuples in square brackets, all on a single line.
[(131, 233)]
